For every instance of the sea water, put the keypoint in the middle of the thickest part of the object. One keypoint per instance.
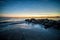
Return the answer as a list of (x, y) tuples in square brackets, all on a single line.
[(18, 29)]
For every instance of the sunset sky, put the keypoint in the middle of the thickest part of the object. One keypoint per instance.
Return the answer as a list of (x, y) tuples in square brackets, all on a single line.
[(29, 8)]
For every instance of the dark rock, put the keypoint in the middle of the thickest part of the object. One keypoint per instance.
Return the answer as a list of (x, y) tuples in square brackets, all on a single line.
[(46, 22)]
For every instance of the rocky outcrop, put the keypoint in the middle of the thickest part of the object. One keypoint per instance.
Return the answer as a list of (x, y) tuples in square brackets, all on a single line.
[(46, 22)]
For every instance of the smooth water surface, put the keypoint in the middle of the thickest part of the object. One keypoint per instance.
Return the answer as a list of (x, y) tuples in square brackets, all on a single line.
[(18, 29)]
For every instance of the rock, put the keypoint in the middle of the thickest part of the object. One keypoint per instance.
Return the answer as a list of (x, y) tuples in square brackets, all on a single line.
[(46, 22)]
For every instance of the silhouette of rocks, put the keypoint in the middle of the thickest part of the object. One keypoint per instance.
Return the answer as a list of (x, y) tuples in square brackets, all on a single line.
[(46, 22), (31, 21)]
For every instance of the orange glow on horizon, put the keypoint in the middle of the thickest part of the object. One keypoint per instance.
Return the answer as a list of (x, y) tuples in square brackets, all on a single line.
[(16, 15)]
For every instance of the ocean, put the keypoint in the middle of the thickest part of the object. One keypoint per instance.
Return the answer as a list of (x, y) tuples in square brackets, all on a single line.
[(18, 29)]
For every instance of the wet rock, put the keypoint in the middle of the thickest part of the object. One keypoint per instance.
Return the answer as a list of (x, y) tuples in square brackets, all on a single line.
[(46, 22)]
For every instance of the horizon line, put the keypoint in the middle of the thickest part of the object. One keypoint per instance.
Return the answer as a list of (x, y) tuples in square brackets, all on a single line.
[(32, 17)]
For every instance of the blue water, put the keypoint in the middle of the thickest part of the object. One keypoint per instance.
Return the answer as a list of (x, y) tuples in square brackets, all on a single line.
[(18, 29)]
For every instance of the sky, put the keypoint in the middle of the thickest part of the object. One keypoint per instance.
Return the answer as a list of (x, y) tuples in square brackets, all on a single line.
[(29, 8)]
